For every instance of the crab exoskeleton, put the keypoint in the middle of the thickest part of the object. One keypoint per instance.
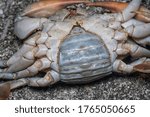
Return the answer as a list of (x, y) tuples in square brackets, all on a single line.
[(77, 49)]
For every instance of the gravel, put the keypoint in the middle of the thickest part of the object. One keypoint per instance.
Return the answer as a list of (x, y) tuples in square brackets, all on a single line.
[(115, 86)]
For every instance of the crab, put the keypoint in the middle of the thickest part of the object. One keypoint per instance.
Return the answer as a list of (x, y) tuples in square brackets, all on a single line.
[(76, 49)]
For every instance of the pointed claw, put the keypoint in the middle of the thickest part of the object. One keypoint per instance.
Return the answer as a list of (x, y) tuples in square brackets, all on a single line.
[(46, 8), (143, 14), (145, 67), (4, 91)]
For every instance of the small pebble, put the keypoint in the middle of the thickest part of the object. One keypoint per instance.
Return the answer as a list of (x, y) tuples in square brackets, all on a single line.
[(1, 12)]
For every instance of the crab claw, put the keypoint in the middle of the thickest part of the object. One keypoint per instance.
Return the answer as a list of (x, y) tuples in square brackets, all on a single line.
[(143, 14), (26, 26), (4, 91), (46, 8)]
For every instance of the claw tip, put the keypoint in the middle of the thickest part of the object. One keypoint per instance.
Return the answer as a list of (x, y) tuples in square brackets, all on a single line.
[(145, 67)]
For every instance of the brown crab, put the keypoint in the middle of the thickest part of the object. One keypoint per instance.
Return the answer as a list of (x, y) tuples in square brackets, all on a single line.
[(77, 49)]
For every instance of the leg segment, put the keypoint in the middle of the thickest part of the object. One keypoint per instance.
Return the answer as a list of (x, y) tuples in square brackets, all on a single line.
[(28, 46), (132, 22), (25, 61), (129, 12), (46, 8), (25, 48), (26, 26), (142, 14), (139, 31), (16, 57), (141, 65), (39, 65), (144, 42), (133, 49), (49, 79)]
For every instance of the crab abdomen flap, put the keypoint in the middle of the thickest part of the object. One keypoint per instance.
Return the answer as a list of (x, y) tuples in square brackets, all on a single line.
[(83, 58)]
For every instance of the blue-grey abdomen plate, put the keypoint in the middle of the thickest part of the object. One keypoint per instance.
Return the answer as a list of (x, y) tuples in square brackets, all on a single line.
[(83, 58)]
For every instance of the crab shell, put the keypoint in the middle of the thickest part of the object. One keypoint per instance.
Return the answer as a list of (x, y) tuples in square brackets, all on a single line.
[(83, 48), (78, 54)]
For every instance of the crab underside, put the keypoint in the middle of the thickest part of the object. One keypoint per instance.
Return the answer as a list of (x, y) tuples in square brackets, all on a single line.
[(76, 48)]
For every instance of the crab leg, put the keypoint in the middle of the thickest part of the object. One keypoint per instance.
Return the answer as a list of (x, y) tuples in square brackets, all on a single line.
[(4, 91), (46, 8), (144, 42), (144, 67), (132, 22), (17, 56), (25, 61), (28, 46), (134, 50), (129, 12), (13, 73), (141, 65), (142, 14), (22, 61), (135, 31), (50, 78), (17, 62), (28, 58), (112, 6), (138, 30), (25, 56), (23, 29)]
